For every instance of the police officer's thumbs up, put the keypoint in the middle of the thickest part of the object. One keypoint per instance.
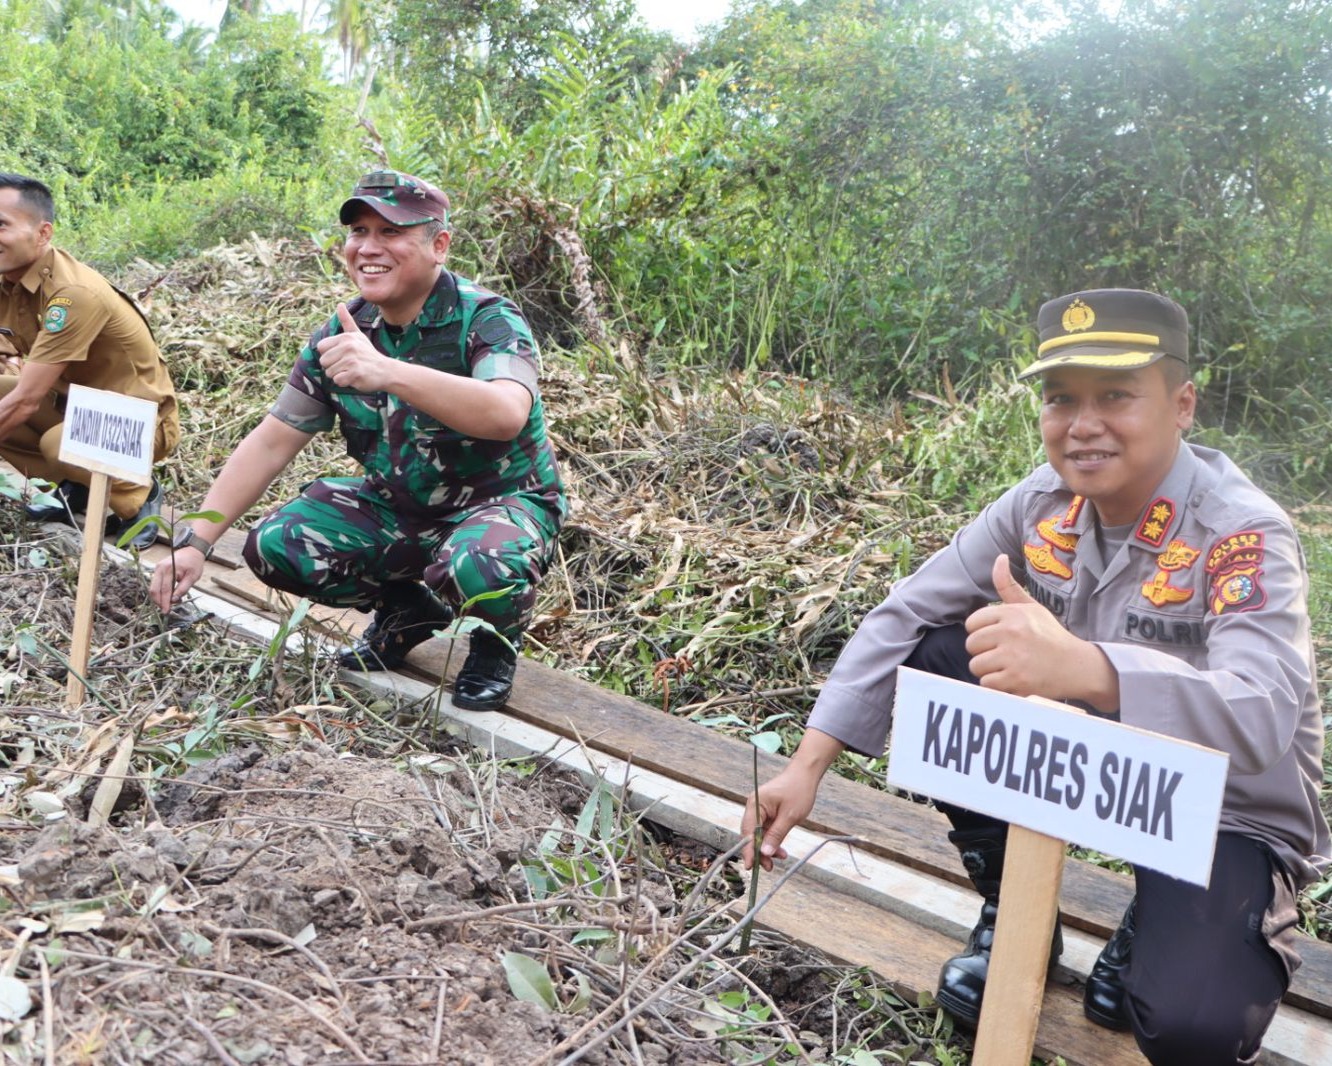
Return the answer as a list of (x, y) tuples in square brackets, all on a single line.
[(1018, 646), (1004, 583)]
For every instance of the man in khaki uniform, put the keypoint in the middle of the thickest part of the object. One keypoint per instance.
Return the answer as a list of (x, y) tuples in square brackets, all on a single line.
[(1162, 589), (62, 324)]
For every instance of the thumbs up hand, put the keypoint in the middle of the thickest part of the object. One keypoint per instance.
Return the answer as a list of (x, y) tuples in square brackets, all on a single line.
[(1005, 584), (350, 360), (1018, 646)]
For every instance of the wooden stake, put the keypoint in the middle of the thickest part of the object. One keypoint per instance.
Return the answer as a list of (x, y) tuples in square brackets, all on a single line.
[(1015, 984), (86, 600)]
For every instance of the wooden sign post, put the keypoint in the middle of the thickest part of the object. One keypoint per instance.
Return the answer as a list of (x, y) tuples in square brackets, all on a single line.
[(112, 436), (1054, 774)]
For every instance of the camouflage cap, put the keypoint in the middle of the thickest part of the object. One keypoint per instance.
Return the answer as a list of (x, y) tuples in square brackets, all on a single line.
[(399, 198), (1115, 329)]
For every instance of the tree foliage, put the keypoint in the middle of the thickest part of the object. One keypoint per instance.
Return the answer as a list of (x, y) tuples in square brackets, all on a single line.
[(877, 192)]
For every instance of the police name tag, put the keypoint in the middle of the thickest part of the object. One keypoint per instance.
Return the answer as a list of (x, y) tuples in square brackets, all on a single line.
[(1148, 799), (109, 434)]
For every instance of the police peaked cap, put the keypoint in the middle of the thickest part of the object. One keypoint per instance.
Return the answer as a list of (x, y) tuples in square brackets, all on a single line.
[(1115, 329)]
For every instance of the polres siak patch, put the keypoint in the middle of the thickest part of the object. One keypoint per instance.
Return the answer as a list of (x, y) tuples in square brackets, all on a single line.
[(56, 318), (1235, 567)]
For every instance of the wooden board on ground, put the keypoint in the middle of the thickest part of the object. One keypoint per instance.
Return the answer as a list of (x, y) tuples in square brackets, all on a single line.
[(910, 957)]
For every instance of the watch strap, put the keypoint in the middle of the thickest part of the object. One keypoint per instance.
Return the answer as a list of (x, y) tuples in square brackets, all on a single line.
[(188, 538)]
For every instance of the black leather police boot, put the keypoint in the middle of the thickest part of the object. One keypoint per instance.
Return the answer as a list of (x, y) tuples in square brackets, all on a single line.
[(962, 979), (1103, 999), (147, 536), (60, 504), (406, 614), (486, 677)]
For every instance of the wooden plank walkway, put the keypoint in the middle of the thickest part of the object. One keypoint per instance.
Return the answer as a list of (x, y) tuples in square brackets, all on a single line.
[(893, 903)]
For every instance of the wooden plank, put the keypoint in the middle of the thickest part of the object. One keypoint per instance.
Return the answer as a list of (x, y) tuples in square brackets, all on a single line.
[(1296, 1038), (857, 934)]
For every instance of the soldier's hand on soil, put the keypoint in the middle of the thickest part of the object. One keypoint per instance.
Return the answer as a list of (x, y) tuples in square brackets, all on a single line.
[(174, 576)]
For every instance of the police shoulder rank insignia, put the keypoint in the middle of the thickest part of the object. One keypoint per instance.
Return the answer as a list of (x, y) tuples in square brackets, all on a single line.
[(1234, 565), (1159, 591), (57, 316), (1156, 522), (1074, 509)]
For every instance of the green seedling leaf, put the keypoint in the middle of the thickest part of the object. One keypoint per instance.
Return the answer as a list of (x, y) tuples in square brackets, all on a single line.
[(25, 640), (195, 944), (37, 559), (592, 936), (143, 523), (528, 980), (771, 742), (584, 995)]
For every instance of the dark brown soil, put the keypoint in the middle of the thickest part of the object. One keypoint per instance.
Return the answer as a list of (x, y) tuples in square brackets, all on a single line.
[(299, 908)]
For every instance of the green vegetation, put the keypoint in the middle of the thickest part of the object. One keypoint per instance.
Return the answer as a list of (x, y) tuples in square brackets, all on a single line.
[(868, 193)]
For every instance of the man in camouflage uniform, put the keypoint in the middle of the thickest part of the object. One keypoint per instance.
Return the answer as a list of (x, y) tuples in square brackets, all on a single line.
[(62, 324), (432, 381)]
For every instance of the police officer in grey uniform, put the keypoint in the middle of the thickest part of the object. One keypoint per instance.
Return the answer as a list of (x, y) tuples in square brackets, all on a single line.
[(1163, 590)]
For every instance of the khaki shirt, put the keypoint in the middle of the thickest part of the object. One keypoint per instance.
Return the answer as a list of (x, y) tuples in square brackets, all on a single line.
[(63, 312), (1202, 611)]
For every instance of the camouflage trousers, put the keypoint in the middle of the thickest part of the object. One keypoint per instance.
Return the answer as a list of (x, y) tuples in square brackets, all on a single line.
[(339, 542)]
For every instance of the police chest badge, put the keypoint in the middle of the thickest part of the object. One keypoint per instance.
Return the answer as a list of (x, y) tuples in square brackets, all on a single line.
[(1159, 591), (1042, 558), (1234, 566)]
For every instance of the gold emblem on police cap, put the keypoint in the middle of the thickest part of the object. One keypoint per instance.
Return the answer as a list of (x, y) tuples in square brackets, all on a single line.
[(1077, 317)]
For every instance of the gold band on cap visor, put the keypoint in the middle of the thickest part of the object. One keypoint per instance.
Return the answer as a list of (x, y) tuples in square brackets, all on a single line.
[(1148, 339), (1110, 361)]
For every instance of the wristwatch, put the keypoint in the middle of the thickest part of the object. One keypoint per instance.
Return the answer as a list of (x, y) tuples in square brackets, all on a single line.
[(186, 538)]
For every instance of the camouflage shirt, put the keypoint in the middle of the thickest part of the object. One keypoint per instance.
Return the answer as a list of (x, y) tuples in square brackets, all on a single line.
[(410, 458)]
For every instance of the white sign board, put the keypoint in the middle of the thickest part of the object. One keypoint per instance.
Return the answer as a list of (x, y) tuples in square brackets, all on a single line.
[(109, 433), (1148, 799)]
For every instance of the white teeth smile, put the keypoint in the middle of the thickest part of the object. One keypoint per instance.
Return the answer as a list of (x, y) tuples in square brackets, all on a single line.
[(374, 270), (1083, 457)]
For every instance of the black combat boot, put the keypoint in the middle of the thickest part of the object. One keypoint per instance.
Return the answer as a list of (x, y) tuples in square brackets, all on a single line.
[(61, 504), (962, 979), (486, 677), (1103, 999), (406, 613)]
